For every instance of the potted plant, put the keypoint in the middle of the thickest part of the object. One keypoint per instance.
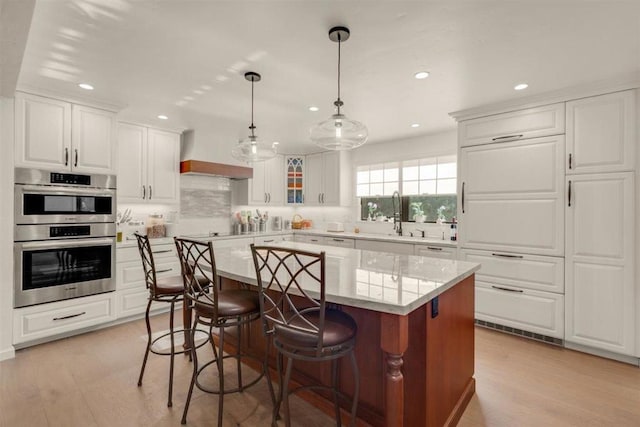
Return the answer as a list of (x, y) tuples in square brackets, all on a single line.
[(372, 210), (418, 213)]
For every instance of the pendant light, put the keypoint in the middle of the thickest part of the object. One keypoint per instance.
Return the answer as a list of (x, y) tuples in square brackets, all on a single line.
[(339, 132), (250, 149)]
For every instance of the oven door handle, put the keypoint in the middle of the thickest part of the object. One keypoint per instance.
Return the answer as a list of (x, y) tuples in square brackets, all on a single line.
[(53, 244), (68, 190)]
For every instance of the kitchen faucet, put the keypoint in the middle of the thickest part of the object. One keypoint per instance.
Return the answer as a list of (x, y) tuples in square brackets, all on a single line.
[(397, 213)]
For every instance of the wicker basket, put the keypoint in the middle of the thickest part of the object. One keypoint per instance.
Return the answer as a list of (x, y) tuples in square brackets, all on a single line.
[(296, 222)]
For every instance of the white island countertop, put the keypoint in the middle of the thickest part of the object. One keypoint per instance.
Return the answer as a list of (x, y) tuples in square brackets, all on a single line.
[(377, 281)]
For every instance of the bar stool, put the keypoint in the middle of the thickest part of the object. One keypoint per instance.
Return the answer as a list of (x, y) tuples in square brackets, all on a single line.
[(167, 290), (217, 308), (302, 327)]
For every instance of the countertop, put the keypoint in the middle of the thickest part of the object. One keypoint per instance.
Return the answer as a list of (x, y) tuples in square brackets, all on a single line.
[(313, 232), (377, 281)]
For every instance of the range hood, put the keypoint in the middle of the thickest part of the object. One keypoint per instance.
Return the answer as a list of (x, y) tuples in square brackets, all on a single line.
[(217, 169)]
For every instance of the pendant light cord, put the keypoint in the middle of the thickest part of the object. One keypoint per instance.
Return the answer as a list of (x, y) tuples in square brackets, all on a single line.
[(339, 102), (252, 127)]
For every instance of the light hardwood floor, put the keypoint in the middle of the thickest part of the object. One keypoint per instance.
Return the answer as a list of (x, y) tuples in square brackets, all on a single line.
[(90, 380)]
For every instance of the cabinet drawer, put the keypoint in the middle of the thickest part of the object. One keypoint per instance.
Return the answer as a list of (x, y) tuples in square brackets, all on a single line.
[(130, 274), (318, 240), (521, 124), (540, 273), (390, 247), (46, 320), (164, 250), (434, 251), (533, 311), (131, 302), (340, 242)]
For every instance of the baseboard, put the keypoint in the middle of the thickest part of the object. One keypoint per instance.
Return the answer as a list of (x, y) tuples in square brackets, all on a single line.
[(603, 353), (7, 353)]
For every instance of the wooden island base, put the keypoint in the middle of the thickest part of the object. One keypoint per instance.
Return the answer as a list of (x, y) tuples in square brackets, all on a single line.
[(415, 370)]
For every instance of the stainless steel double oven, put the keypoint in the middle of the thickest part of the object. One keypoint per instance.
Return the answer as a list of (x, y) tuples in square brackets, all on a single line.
[(64, 239)]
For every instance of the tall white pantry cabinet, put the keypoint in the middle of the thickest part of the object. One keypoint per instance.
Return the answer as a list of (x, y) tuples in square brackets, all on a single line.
[(547, 205)]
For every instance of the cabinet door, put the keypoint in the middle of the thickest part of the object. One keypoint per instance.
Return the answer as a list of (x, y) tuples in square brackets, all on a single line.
[(163, 167), (331, 190), (601, 133), (600, 289), (274, 177), (258, 187), (132, 167), (92, 140), (521, 124), (314, 184), (42, 132), (512, 196)]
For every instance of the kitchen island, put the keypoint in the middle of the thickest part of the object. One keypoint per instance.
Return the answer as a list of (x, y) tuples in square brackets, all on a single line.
[(415, 344)]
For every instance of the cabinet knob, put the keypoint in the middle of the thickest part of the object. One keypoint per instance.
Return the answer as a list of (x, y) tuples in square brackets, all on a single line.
[(75, 162)]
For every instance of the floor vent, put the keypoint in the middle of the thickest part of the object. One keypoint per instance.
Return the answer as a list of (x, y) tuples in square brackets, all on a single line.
[(520, 332)]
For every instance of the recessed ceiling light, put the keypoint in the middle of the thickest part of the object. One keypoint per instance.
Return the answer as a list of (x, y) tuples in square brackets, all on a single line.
[(86, 86), (415, 125), (275, 143), (521, 86), (421, 75), (313, 108), (163, 117)]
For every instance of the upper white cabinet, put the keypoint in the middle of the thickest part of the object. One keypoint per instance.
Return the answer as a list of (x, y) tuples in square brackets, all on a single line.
[(148, 165), (600, 285), (267, 184), (601, 133), (54, 134), (514, 125), (327, 179), (512, 196)]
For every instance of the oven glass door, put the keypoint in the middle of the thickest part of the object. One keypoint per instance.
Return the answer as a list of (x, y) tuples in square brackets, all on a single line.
[(59, 269), (55, 204), (53, 267)]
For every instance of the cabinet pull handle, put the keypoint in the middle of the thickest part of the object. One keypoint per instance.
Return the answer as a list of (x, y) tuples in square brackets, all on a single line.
[(164, 271), (569, 194), (338, 240), (319, 200), (462, 196), (144, 192), (150, 192), (265, 197), (498, 138), (269, 199), (314, 240), (66, 156), (323, 198), (570, 161), (507, 256), (75, 162), (269, 241), (71, 316), (433, 248), (162, 251), (500, 288)]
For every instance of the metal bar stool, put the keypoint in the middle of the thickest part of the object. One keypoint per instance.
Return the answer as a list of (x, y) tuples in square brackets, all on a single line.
[(291, 285), (216, 308), (167, 290)]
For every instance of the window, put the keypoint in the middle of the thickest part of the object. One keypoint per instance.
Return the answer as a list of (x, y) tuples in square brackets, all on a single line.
[(428, 188)]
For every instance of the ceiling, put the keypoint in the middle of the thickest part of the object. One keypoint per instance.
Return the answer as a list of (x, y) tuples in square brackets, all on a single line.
[(186, 59)]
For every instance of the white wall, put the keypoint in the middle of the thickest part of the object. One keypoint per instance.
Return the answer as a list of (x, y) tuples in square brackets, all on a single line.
[(6, 228)]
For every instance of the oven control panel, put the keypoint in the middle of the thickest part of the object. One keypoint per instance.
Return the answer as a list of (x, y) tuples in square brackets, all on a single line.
[(70, 231), (70, 178)]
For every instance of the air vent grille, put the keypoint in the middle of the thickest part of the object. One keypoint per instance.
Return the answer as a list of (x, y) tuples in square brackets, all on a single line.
[(520, 332)]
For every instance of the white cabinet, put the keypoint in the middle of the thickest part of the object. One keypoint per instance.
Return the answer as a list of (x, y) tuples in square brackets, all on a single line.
[(514, 125), (132, 294), (600, 285), (267, 185), (148, 165), (47, 320), (54, 134), (390, 247), (327, 178), (512, 196), (601, 133), (435, 251)]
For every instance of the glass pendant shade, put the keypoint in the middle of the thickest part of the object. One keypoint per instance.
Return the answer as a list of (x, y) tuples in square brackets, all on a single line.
[(251, 150), (339, 133)]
